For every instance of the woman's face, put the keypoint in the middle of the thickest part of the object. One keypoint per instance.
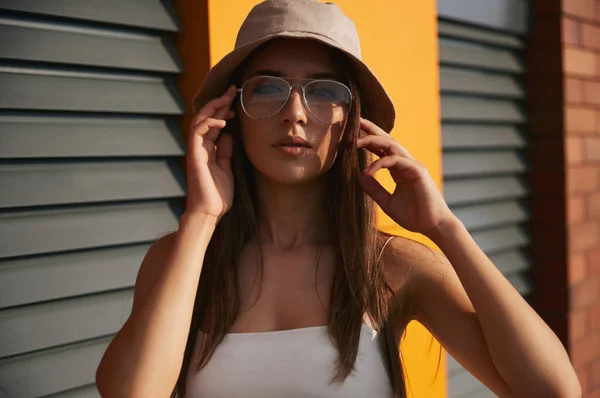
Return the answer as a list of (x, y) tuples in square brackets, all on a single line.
[(295, 59)]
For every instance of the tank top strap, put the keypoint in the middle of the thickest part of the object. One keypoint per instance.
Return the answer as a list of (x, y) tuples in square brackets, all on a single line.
[(383, 247), (366, 318)]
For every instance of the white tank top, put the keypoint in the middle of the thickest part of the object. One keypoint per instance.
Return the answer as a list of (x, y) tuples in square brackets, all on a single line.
[(288, 363)]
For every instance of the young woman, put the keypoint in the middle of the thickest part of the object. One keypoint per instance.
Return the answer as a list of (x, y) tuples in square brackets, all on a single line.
[(278, 282)]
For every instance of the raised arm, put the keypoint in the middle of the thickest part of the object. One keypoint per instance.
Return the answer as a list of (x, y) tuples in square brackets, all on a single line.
[(463, 299), (145, 357)]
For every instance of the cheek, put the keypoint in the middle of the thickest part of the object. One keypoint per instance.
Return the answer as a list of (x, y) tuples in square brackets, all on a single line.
[(328, 147), (255, 141)]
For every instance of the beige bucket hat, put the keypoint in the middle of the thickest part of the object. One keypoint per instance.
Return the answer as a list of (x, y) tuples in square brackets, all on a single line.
[(301, 19)]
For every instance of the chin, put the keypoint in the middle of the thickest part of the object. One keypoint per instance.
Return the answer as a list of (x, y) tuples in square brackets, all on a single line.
[(289, 175)]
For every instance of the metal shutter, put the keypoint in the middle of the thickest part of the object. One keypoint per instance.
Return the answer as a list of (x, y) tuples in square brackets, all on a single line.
[(483, 142), (89, 178)]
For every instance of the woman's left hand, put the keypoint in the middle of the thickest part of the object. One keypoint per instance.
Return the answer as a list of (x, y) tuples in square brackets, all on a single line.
[(416, 204)]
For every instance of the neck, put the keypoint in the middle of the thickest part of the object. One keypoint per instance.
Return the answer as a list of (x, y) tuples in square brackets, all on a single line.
[(291, 216)]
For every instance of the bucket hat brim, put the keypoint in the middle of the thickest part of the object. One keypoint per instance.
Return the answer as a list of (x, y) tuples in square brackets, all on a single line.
[(374, 98)]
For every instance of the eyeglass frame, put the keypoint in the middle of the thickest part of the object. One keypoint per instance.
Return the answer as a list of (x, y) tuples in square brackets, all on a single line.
[(291, 87)]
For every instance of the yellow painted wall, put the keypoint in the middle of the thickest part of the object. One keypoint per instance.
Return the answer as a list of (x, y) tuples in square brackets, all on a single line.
[(399, 43)]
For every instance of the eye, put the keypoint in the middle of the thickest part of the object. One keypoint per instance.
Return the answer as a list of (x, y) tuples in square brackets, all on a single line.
[(267, 89), (320, 92)]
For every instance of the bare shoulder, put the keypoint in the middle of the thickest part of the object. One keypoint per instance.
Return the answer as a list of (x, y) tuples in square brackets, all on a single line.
[(407, 263), (153, 260), (403, 257)]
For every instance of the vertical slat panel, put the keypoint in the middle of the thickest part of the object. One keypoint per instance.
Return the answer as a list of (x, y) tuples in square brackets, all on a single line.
[(481, 70), (90, 177)]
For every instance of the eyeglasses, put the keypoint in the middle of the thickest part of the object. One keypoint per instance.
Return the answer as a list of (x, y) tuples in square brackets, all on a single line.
[(329, 101)]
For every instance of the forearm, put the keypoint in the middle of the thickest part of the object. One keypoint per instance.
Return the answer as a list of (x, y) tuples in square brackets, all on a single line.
[(525, 351), (146, 355)]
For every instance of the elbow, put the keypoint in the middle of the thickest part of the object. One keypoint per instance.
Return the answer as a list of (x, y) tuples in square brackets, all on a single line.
[(106, 382), (103, 382)]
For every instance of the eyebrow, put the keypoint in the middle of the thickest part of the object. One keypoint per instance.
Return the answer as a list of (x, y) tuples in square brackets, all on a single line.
[(316, 75)]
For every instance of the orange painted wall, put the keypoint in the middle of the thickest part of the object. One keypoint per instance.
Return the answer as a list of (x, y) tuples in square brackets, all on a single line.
[(399, 43)]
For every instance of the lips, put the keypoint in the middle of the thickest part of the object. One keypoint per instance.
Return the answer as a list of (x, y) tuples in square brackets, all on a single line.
[(293, 142)]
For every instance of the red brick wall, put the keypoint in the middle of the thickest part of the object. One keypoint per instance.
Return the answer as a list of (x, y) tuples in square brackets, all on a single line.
[(564, 83)]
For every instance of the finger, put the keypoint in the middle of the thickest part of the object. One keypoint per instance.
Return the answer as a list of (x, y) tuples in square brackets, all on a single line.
[(371, 128), (375, 190), (211, 107), (382, 145), (196, 138), (207, 124), (400, 167), (213, 133), (225, 152), (230, 115)]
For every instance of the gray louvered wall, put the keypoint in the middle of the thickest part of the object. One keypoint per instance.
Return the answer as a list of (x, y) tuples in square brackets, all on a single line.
[(481, 68), (89, 178)]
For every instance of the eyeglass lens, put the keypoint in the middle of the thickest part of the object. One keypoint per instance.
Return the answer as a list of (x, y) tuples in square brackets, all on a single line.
[(264, 96)]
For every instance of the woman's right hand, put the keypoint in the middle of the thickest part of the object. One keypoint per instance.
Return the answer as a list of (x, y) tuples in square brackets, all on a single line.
[(209, 175)]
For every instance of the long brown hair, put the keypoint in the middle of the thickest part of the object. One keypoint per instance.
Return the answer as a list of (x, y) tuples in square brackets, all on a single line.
[(359, 285)]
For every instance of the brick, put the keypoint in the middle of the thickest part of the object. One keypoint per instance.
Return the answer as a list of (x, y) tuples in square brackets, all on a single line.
[(576, 209), (592, 150), (578, 325), (593, 261), (584, 374), (577, 268), (574, 93), (595, 393), (571, 32), (583, 237), (586, 350), (580, 8), (590, 35), (580, 120), (584, 294), (573, 151), (593, 205), (579, 62), (591, 93), (594, 318), (595, 373), (582, 179)]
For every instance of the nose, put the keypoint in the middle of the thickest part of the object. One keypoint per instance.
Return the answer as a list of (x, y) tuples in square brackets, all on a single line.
[(294, 111)]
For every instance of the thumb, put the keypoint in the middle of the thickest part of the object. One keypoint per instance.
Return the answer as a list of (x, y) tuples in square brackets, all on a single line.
[(224, 152)]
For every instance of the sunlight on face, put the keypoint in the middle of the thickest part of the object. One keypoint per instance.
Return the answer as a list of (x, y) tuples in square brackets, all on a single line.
[(295, 59)]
